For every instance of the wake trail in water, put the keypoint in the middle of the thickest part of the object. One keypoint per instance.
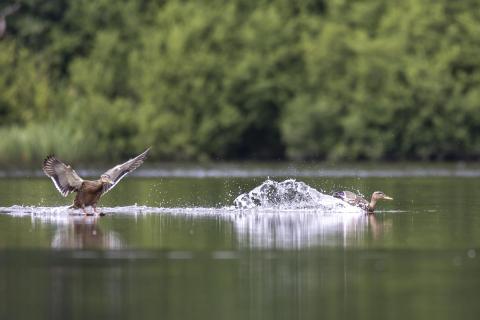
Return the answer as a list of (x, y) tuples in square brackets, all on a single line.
[(287, 197), (19, 211)]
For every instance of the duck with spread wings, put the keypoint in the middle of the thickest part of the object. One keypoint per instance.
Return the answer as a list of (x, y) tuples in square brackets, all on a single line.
[(66, 180)]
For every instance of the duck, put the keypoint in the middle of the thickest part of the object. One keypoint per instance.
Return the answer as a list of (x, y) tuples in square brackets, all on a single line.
[(66, 180), (358, 201)]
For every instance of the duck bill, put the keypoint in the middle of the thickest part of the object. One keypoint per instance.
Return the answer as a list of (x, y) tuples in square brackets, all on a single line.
[(387, 198)]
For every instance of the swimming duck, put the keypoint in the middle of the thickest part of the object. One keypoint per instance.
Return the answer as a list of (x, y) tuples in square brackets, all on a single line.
[(357, 201), (66, 180)]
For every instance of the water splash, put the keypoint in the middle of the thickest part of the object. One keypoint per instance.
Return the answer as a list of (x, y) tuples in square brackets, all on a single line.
[(60, 214), (284, 197), (284, 214), (290, 194)]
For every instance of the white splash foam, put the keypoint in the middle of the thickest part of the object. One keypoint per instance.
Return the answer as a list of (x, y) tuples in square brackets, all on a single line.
[(290, 194)]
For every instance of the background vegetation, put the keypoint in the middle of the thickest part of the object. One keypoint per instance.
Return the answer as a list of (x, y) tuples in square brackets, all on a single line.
[(282, 79)]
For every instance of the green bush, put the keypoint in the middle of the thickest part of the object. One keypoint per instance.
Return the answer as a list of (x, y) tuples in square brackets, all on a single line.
[(339, 80)]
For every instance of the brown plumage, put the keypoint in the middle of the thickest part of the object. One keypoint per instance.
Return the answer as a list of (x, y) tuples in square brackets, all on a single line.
[(357, 201), (66, 180)]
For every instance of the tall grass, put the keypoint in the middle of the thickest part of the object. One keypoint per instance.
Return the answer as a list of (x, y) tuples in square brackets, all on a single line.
[(29, 145)]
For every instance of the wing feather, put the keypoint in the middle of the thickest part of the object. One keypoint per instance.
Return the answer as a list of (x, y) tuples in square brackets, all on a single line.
[(118, 172), (64, 178), (351, 198)]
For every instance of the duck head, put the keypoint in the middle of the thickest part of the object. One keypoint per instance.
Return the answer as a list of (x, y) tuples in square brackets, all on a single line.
[(377, 195)]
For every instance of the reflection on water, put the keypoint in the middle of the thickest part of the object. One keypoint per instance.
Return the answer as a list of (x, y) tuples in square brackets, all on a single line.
[(300, 229), (185, 256), (84, 233), (253, 228)]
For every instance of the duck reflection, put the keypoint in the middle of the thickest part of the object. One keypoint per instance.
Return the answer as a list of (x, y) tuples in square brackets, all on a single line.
[(306, 229), (378, 227), (85, 233)]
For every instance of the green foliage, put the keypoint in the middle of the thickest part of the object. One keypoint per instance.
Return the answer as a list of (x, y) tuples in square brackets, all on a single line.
[(394, 84), (25, 92), (34, 142), (276, 79)]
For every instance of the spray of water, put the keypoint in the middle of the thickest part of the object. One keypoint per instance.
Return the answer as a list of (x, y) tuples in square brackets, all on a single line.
[(290, 194), (274, 214)]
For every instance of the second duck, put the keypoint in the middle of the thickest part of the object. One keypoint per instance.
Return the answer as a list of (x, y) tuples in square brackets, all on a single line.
[(358, 201)]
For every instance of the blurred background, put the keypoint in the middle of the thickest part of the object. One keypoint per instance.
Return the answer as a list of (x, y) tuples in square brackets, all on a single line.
[(240, 80), (97, 81)]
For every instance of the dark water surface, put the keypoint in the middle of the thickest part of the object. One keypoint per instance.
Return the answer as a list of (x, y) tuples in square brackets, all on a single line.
[(180, 254)]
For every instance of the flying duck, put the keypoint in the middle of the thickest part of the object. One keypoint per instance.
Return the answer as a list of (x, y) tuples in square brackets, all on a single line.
[(66, 180)]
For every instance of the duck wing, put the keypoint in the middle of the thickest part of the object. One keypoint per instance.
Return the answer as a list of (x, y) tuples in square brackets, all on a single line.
[(118, 172), (351, 198), (64, 178)]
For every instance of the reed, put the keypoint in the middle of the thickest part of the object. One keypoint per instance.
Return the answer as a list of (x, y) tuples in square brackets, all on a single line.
[(29, 145)]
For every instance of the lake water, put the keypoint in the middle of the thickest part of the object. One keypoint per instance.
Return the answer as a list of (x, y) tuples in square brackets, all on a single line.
[(170, 248)]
